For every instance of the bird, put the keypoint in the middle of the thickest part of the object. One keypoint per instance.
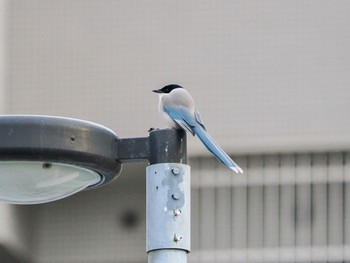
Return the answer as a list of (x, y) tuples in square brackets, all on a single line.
[(177, 107)]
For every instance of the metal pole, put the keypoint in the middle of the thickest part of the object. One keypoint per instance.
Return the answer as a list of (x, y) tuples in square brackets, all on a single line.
[(168, 193), (168, 198), (168, 212)]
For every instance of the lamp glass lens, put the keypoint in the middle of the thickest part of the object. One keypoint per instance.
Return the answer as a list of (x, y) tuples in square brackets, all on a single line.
[(38, 182)]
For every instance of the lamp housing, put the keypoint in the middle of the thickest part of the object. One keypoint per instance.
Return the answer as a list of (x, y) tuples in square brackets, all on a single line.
[(45, 158)]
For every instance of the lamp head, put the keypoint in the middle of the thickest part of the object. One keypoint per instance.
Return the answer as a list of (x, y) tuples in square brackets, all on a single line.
[(44, 158)]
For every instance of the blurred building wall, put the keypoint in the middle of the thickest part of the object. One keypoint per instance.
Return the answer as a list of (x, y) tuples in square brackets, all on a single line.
[(266, 76), (13, 243), (2, 54), (288, 208)]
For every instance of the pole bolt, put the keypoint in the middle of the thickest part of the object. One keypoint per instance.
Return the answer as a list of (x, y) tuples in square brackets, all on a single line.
[(177, 212), (175, 196), (175, 171), (177, 238)]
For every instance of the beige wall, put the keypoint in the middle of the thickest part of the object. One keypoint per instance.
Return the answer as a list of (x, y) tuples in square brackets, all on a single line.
[(267, 76), (11, 235), (2, 54)]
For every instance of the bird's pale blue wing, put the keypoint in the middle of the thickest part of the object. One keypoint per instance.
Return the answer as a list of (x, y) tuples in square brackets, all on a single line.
[(199, 119), (194, 124), (182, 117)]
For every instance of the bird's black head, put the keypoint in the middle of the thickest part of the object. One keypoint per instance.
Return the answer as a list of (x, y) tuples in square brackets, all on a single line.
[(167, 88)]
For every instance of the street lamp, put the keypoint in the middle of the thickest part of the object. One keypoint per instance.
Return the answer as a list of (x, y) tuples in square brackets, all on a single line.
[(46, 158)]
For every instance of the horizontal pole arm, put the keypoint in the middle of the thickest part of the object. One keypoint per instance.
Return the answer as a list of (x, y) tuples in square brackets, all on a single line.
[(161, 146)]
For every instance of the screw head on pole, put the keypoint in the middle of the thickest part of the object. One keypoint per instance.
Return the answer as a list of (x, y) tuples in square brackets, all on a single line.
[(175, 196), (177, 212), (175, 171), (177, 238)]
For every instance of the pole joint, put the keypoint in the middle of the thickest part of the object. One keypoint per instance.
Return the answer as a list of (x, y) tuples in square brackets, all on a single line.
[(161, 146)]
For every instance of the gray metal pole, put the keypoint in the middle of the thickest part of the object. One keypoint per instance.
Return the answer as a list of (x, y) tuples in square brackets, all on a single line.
[(168, 191), (168, 198)]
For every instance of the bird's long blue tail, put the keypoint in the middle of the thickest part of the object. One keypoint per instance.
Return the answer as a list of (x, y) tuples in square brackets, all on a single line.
[(215, 149)]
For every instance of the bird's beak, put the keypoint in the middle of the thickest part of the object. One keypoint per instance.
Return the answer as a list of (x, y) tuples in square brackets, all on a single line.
[(157, 91)]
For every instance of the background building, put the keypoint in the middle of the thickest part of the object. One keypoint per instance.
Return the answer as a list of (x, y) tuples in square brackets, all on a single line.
[(271, 80)]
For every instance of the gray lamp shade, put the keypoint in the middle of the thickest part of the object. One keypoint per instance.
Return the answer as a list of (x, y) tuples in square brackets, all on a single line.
[(37, 182), (45, 158)]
